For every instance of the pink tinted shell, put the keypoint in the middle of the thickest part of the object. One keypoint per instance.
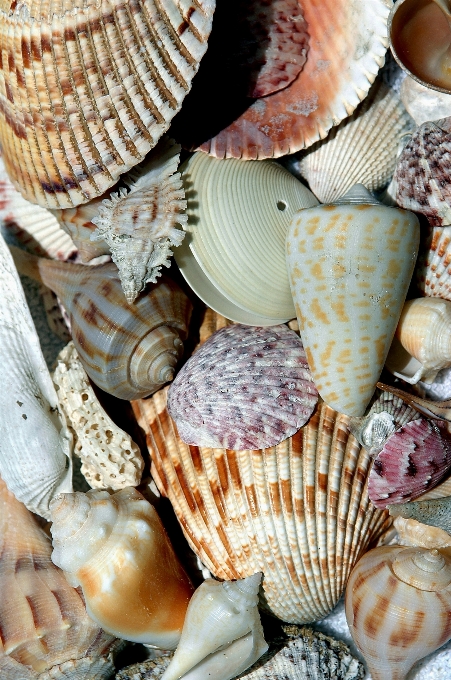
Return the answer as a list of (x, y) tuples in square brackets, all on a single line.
[(245, 388)]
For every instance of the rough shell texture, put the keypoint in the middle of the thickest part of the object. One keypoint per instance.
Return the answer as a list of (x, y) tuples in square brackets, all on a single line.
[(411, 532), (299, 512), (245, 388), (422, 103), (413, 459), (422, 172), (110, 458), (347, 45), (433, 268), (45, 630), (435, 512), (86, 94), (362, 149)]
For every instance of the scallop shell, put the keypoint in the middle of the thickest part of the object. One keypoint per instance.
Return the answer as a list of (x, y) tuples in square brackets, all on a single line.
[(413, 459), (45, 630), (362, 149), (433, 268), (299, 512), (110, 458), (421, 178), (86, 94), (422, 103), (347, 45), (350, 267), (238, 215), (245, 388), (119, 540)]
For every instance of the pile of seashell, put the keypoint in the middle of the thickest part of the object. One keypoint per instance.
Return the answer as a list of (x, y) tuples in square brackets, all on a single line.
[(253, 366)]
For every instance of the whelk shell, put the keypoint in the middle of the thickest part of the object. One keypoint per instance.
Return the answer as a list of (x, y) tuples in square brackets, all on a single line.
[(45, 630), (298, 512), (238, 215), (245, 388), (86, 94)]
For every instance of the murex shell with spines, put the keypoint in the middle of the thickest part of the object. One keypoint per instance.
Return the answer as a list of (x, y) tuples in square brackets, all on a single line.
[(88, 88), (298, 512), (245, 388)]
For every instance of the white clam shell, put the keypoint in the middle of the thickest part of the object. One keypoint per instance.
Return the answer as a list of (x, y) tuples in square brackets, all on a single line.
[(233, 255)]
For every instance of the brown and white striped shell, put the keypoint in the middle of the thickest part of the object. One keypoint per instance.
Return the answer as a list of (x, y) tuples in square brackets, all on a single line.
[(45, 630), (298, 512), (88, 88), (433, 268), (245, 388)]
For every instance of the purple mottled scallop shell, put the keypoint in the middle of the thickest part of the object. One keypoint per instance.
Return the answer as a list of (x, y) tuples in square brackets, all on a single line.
[(245, 388), (414, 459)]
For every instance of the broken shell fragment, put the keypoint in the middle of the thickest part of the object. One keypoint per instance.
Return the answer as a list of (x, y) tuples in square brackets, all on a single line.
[(245, 388), (350, 267), (422, 103), (435, 512), (119, 540), (238, 215), (412, 532)]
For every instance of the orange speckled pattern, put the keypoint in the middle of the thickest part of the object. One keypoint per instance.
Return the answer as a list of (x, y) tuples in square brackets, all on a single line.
[(350, 269)]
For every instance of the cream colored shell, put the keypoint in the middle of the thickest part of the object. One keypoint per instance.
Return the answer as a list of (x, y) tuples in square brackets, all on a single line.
[(110, 458), (88, 88), (415, 533), (233, 255)]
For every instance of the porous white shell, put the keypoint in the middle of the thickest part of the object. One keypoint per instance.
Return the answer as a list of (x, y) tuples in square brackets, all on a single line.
[(350, 267), (220, 616), (238, 215), (298, 512), (362, 149), (245, 388), (35, 444), (110, 458), (116, 548)]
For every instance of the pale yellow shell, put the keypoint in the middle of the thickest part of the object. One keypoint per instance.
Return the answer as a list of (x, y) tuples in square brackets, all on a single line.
[(415, 533)]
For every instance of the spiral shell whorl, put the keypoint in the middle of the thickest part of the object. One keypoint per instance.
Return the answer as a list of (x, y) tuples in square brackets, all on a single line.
[(244, 591), (423, 569)]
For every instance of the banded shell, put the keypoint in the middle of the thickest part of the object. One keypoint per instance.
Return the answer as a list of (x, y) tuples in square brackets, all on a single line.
[(298, 512), (362, 149), (127, 350), (433, 268), (397, 607), (413, 459), (245, 388), (238, 215), (350, 267), (86, 95), (421, 178), (422, 103), (46, 632), (347, 42), (120, 540), (110, 458)]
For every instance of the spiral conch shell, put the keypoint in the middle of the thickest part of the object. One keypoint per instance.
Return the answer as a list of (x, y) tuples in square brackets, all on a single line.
[(116, 548), (397, 607), (350, 267), (85, 94), (45, 630)]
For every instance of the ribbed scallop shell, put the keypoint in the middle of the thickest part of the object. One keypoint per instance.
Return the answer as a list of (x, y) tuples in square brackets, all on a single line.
[(87, 89), (433, 268), (413, 459), (299, 512), (245, 388), (347, 45), (362, 149), (45, 630), (422, 172)]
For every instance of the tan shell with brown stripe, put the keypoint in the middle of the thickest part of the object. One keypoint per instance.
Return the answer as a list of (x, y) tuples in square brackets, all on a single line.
[(88, 87), (298, 512)]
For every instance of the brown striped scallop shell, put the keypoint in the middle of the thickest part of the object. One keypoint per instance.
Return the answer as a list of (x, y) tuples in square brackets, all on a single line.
[(88, 87), (298, 512)]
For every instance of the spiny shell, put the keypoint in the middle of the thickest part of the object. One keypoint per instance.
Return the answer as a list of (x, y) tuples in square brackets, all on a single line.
[(110, 458), (45, 630), (347, 45), (413, 459), (362, 149), (350, 267), (86, 94), (127, 350), (433, 268), (422, 103), (245, 388), (299, 512), (422, 172), (119, 540), (397, 607), (238, 215)]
